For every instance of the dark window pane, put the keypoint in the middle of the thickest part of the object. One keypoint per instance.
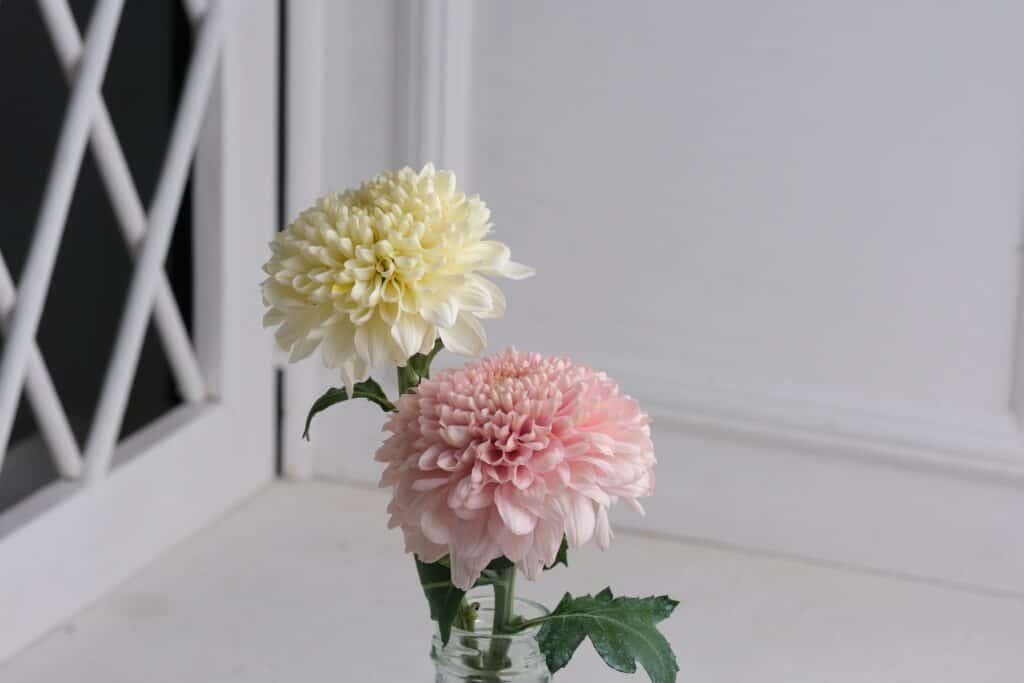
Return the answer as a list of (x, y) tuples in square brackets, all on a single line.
[(28, 465)]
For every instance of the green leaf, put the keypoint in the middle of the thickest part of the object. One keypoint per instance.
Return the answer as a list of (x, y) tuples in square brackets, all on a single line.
[(420, 362), (622, 631), (369, 390), (500, 564), (417, 369), (562, 558), (442, 596), (503, 563)]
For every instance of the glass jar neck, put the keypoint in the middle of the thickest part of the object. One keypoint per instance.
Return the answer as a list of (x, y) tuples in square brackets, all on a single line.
[(476, 654)]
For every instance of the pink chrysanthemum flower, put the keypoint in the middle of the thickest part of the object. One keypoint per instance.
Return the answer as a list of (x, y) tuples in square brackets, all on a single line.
[(507, 454)]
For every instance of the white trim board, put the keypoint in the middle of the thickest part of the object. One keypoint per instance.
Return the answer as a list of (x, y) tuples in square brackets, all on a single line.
[(848, 511), (988, 446), (431, 58), (769, 495), (783, 484), (434, 81), (303, 183)]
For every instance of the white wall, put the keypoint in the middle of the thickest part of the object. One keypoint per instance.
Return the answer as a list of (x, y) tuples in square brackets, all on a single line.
[(789, 228), (808, 194)]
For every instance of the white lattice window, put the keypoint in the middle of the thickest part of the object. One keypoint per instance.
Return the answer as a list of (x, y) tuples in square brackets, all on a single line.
[(119, 500)]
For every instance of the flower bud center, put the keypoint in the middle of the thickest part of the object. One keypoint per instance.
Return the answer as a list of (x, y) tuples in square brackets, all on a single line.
[(385, 267)]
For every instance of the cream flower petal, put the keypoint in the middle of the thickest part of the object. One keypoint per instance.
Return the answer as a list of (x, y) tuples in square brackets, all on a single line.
[(373, 342), (473, 297), (466, 336), (428, 340), (273, 317), (442, 313), (497, 308), (373, 275), (516, 271), (408, 332), (488, 255), (302, 349), (354, 370)]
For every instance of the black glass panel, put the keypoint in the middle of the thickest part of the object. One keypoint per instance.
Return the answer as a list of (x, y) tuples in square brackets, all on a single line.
[(28, 466)]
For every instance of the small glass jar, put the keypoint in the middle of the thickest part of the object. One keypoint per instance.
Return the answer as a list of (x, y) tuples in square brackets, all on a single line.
[(479, 656)]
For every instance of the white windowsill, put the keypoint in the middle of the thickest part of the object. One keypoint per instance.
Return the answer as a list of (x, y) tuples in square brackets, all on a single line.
[(303, 583)]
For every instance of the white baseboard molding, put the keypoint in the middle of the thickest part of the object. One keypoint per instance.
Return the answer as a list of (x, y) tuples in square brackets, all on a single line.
[(870, 514), (795, 493), (822, 419)]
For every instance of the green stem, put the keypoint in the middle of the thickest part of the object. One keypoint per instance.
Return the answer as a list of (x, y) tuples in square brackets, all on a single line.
[(407, 379), (417, 368), (504, 597), (465, 618), (504, 593), (523, 625)]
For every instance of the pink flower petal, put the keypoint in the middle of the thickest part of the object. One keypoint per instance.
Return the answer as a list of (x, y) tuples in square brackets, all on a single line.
[(518, 519), (507, 455)]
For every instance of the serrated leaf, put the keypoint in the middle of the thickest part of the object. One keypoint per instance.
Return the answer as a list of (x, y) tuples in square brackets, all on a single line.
[(369, 390), (442, 596), (622, 631)]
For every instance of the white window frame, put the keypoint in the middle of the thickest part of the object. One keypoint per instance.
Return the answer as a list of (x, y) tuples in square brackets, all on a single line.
[(120, 505), (304, 182)]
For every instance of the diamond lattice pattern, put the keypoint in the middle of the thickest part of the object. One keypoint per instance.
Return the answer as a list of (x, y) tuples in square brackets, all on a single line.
[(146, 230)]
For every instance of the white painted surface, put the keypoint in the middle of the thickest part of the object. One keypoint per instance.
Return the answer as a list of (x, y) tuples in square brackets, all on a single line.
[(70, 542), (304, 115), (361, 97), (790, 229), (303, 583), (820, 195), (343, 101)]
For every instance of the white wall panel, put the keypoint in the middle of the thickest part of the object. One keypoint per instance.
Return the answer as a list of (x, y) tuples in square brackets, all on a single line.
[(362, 95), (818, 195), (791, 229)]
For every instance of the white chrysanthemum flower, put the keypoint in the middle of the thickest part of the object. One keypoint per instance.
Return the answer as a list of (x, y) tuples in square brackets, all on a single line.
[(375, 275)]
